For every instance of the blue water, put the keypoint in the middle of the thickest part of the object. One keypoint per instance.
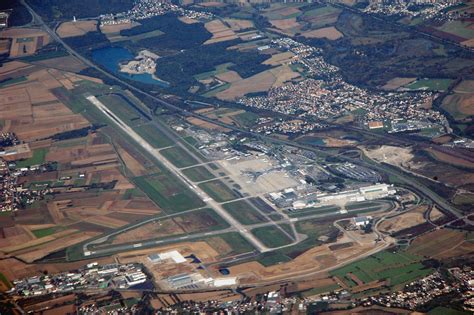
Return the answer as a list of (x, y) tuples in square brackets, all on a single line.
[(110, 57)]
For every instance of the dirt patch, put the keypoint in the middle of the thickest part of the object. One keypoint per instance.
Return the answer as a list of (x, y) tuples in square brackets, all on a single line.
[(285, 24), (78, 28), (279, 59), (206, 125), (220, 32), (260, 82), (442, 244), (330, 33), (229, 76), (238, 25), (404, 221), (450, 159)]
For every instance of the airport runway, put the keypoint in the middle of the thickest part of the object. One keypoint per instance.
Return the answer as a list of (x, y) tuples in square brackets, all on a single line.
[(177, 172)]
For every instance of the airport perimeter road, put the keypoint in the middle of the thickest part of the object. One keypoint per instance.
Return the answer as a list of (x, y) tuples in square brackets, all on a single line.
[(176, 171), (408, 179)]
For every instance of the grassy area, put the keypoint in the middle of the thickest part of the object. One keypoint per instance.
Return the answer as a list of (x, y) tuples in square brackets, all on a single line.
[(179, 157), (361, 205), (271, 236), (325, 289), (46, 55), (430, 84), (38, 157), (246, 119), (153, 136), (121, 108), (133, 192), (239, 244), (315, 210), (218, 191), (214, 91), (440, 310), (44, 232), (168, 192), (4, 279), (273, 258), (12, 81), (398, 268), (458, 28), (243, 212), (198, 173)]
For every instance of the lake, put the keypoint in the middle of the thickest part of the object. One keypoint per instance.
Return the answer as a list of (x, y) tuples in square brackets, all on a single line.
[(110, 57)]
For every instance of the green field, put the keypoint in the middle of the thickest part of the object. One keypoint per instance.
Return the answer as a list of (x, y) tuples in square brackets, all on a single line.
[(216, 90), (38, 157), (315, 210), (121, 108), (168, 192), (218, 191), (243, 212), (325, 289), (458, 28), (398, 268), (153, 136), (5, 280), (198, 173), (239, 244), (273, 258), (246, 119), (179, 157), (12, 81), (440, 310), (271, 236), (430, 84), (44, 232), (361, 205)]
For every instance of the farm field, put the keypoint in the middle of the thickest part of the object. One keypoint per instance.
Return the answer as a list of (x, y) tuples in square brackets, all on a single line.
[(78, 28), (243, 212), (327, 32), (179, 157), (153, 136), (271, 236), (168, 192), (398, 268), (218, 191), (430, 84), (230, 244), (458, 103), (198, 173)]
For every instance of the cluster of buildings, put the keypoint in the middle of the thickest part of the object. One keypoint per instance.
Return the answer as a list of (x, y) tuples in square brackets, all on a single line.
[(144, 9), (418, 293), (425, 9), (324, 95), (13, 196), (181, 277), (93, 276), (356, 172), (302, 198), (298, 126), (145, 62)]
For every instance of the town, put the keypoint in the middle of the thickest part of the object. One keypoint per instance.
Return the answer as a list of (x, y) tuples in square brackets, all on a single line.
[(325, 96)]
